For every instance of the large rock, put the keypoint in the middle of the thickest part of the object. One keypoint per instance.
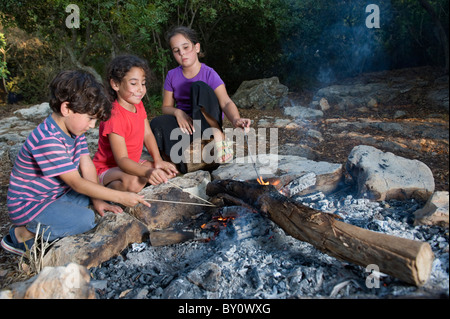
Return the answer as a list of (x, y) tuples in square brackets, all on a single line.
[(383, 176), (305, 176), (262, 94), (63, 282), (35, 112), (435, 211), (113, 233), (162, 215)]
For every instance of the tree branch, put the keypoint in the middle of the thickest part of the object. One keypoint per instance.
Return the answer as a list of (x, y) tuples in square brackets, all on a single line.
[(79, 65)]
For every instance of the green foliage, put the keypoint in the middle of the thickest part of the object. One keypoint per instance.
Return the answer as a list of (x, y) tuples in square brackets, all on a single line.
[(3, 67), (153, 104), (303, 42)]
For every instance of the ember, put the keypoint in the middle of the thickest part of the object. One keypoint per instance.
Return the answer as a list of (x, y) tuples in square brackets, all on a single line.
[(216, 224)]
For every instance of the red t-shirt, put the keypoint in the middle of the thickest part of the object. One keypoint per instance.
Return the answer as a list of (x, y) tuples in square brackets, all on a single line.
[(129, 125)]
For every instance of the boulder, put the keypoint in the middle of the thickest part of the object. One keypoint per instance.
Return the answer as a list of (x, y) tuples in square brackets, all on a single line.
[(63, 282), (113, 233), (349, 96), (435, 211), (261, 94), (35, 112), (384, 176)]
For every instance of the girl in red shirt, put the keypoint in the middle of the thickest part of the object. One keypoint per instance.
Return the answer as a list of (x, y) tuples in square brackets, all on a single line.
[(121, 138)]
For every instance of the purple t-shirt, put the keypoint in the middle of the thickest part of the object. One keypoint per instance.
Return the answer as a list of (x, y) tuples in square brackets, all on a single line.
[(177, 83)]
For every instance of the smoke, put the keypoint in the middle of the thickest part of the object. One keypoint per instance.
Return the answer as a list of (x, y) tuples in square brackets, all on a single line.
[(354, 43)]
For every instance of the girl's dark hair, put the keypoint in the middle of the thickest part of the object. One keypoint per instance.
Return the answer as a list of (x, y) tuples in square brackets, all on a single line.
[(83, 92), (119, 67), (188, 33)]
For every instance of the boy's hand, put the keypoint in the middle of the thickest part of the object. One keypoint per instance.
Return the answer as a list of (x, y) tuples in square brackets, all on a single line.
[(101, 207), (131, 199)]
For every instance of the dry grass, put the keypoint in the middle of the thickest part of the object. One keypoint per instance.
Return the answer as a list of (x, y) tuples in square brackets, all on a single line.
[(33, 261)]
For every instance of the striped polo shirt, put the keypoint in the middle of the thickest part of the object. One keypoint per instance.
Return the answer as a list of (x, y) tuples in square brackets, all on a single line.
[(34, 182)]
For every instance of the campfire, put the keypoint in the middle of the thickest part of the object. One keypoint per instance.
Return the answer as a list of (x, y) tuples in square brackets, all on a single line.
[(254, 241), (269, 216), (405, 259)]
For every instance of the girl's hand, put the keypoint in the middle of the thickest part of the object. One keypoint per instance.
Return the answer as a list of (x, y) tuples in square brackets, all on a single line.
[(156, 176), (184, 122), (242, 123), (167, 167)]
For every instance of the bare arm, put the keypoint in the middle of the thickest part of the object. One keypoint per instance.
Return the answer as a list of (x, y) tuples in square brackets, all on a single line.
[(94, 190), (89, 173), (168, 107), (154, 175), (152, 147), (230, 109)]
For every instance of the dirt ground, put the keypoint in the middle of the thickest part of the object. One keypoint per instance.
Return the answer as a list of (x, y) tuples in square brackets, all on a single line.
[(334, 148)]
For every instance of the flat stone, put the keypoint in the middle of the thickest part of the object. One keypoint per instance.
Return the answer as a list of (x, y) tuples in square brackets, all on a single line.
[(327, 175)]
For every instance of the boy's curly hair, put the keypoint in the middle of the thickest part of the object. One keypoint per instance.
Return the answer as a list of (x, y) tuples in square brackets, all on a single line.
[(119, 67), (83, 92)]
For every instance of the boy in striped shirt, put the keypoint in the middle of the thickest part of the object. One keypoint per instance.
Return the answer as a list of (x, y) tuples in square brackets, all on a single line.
[(53, 180)]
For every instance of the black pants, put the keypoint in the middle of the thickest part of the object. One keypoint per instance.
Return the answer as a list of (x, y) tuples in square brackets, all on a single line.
[(202, 97)]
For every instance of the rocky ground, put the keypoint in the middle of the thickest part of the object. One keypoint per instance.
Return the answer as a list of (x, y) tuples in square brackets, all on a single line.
[(408, 125)]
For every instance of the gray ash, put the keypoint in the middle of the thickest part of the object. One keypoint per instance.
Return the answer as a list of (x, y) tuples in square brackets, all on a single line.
[(254, 258)]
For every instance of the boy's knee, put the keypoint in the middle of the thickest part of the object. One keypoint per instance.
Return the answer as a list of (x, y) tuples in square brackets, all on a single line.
[(86, 221)]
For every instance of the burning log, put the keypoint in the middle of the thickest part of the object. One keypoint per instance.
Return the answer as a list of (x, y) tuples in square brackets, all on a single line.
[(169, 237), (405, 259)]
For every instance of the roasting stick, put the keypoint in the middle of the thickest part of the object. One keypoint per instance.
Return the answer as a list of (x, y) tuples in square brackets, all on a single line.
[(250, 155), (176, 202), (198, 197)]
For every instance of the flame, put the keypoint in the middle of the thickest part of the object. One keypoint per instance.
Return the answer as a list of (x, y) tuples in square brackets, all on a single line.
[(261, 181)]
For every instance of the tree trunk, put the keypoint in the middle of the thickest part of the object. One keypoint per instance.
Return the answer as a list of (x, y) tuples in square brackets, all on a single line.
[(405, 259), (81, 66)]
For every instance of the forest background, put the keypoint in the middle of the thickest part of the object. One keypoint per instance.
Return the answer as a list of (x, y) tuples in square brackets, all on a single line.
[(305, 43)]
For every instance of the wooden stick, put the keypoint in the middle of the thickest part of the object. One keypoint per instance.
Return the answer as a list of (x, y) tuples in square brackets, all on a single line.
[(198, 197), (175, 202)]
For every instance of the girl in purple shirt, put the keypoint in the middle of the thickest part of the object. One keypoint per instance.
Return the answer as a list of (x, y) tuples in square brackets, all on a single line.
[(194, 91)]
